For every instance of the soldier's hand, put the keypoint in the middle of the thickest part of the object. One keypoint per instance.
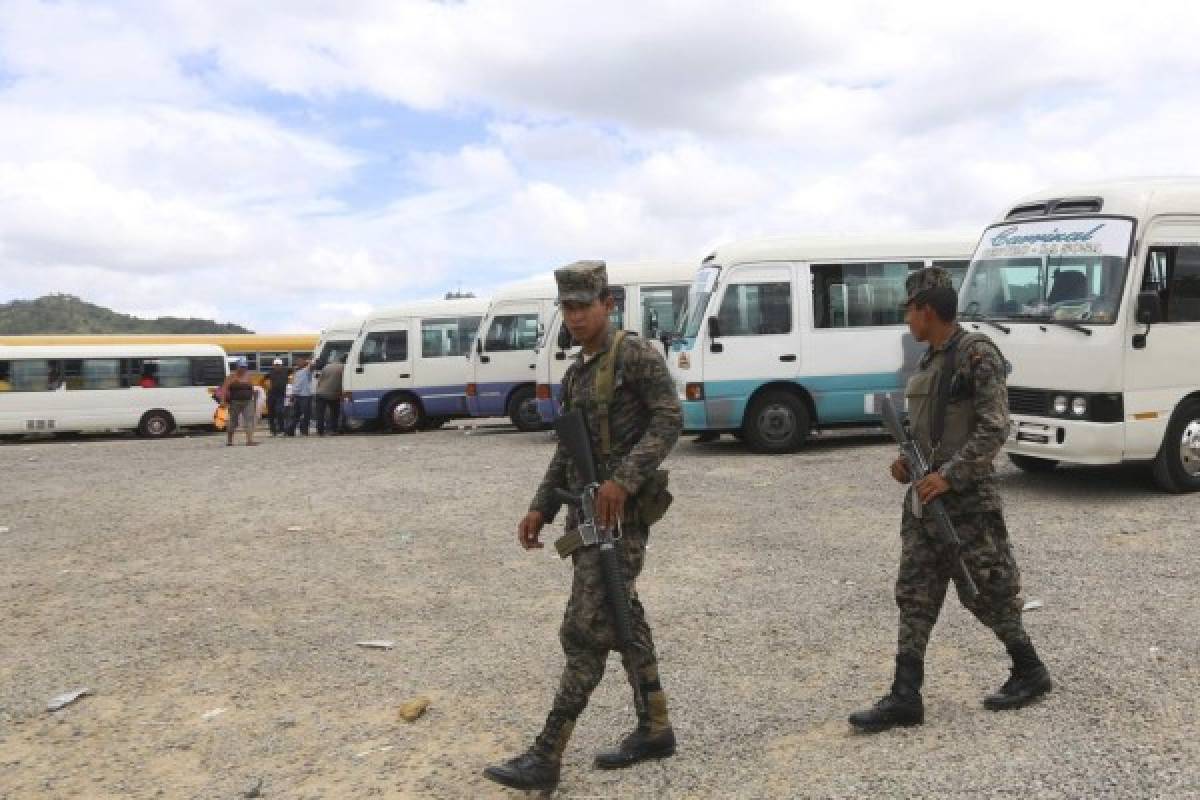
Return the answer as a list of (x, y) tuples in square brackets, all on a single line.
[(610, 503), (932, 486), (900, 470), (528, 529)]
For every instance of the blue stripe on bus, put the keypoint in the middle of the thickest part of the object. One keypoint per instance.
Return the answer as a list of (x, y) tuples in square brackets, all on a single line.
[(438, 401), (839, 399), (491, 399)]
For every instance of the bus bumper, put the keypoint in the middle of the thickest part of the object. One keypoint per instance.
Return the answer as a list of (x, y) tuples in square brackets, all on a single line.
[(489, 400), (1066, 440)]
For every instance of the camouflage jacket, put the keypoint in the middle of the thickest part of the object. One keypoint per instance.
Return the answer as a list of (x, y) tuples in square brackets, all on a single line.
[(976, 424), (645, 419)]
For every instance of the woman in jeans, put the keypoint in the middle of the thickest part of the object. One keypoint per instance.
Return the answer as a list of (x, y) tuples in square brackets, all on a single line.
[(238, 393)]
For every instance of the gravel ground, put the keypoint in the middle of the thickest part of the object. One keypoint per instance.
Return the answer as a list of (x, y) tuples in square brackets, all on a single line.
[(164, 577)]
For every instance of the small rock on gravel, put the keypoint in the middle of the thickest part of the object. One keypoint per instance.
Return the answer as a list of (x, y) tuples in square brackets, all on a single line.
[(66, 698), (414, 709)]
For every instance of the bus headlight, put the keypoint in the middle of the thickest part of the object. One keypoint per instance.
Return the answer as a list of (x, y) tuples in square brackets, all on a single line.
[(1079, 406), (1060, 405)]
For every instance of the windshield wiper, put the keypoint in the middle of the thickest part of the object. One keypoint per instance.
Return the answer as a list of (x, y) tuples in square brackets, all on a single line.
[(977, 317), (1066, 323)]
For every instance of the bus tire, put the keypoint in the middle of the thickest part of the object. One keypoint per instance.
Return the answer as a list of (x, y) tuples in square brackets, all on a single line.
[(1177, 466), (776, 422), (1032, 464), (156, 425), (403, 414), (523, 411)]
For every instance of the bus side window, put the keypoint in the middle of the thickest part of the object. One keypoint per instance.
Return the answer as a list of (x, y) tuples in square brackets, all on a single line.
[(5, 376), (1183, 285)]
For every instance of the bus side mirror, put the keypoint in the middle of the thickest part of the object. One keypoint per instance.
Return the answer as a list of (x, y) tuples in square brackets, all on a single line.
[(479, 345), (564, 338), (1149, 308), (714, 333)]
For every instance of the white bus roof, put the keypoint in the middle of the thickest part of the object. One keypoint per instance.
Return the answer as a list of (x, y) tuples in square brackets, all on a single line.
[(1126, 197), (539, 287), (8, 352), (429, 308), (624, 272), (342, 326), (852, 247)]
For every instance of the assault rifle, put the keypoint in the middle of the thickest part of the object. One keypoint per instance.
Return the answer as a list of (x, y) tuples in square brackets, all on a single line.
[(573, 434), (918, 468)]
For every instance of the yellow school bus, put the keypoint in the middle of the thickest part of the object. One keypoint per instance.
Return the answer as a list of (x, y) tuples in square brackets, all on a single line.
[(259, 349)]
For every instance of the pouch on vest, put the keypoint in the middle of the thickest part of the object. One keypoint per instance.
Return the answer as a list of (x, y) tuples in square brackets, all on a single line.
[(652, 500)]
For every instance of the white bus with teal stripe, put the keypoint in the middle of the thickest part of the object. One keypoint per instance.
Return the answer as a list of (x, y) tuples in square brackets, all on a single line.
[(786, 335)]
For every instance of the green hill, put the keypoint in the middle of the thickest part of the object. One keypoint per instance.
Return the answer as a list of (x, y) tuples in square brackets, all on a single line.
[(67, 314)]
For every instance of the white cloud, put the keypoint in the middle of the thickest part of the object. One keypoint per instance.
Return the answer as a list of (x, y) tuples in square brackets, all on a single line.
[(140, 164)]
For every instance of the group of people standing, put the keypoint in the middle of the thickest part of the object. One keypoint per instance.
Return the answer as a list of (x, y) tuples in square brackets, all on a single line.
[(292, 400)]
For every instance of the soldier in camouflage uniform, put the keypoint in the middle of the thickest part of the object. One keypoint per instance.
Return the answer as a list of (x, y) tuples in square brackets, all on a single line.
[(962, 442), (644, 422)]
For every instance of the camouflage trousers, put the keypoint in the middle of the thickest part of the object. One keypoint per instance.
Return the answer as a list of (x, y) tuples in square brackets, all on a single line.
[(587, 633), (927, 567)]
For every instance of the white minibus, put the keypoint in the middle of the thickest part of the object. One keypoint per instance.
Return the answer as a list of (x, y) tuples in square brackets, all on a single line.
[(1092, 292), (153, 389), (407, 369), (649, 298), (502, 366), (786, 335)]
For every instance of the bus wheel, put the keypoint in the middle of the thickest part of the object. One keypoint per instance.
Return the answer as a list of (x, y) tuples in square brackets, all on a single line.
[(403, 414), (1177, 467), (156, 425), (777, 422), (1032, 463), (523, 411)]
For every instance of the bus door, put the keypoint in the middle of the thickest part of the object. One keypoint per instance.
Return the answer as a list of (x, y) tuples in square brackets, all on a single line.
[(1161, 366), (384, 363), (505, 357), (755, 339)]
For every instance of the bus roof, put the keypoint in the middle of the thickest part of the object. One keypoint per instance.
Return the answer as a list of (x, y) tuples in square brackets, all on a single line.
[(1127, 197), (539, 287), (428, 308), (149, 350), (853, 247), (343, 327), (619, 273), (234, 342)]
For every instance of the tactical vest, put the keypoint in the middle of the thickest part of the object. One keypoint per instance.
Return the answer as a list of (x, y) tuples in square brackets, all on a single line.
[(933, 395), (653, 498)]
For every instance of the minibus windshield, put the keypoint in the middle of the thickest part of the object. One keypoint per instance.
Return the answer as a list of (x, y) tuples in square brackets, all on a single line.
[(1064, 269), (692, 315)]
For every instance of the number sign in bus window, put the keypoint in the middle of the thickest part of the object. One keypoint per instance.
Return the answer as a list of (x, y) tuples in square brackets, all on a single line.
[(384, 347), (452, 336), (860, 295), (756, 309), (512, 332)]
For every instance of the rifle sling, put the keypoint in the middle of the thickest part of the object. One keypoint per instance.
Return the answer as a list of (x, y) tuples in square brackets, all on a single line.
[(942, 399)]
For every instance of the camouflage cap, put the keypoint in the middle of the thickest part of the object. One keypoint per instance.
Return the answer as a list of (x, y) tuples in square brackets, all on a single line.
[(925, 279), (583, 282)]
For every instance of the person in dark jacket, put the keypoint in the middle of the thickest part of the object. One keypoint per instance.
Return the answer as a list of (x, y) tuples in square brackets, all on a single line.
[(276, 394)]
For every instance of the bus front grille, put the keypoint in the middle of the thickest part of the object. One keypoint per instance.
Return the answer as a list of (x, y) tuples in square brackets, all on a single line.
[(1028, 401)]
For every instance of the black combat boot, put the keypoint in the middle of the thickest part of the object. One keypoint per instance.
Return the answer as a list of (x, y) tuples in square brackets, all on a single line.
[(652, 738), (902, 706), (1028, 680), (537, 767)]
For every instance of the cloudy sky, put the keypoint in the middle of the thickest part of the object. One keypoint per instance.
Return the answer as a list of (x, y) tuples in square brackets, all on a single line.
[(282, 163)]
